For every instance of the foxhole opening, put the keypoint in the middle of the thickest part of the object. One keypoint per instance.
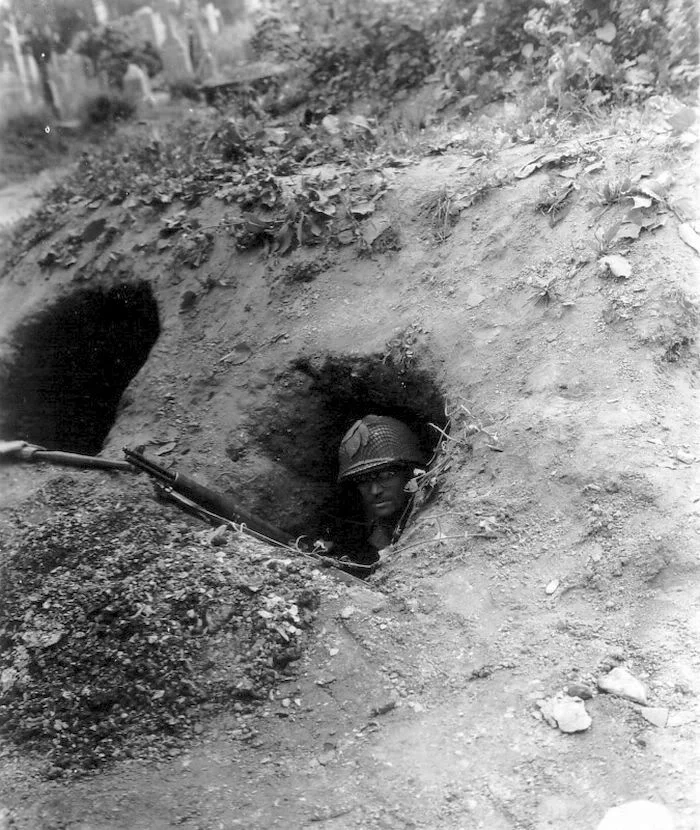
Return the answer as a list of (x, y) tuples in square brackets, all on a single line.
[(317, 402), (67, 366)]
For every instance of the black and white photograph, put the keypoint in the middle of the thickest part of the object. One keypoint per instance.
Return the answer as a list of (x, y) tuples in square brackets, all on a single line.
[(349, 415)]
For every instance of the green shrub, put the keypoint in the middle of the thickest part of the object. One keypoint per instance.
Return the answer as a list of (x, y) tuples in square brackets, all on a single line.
[(184, 88), (30, 142), (351, 48), (106, 108), (582, 52), (110, 49)]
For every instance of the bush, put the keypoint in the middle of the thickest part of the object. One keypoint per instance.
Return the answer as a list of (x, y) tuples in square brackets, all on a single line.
[(106, 108), (110, 49), (28, 127), (351, 47), (584, 52), (184, 88), (27, 145)]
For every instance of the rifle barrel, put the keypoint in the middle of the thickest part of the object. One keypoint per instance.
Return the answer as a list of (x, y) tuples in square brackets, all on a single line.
[(142, 463), (211, 500)]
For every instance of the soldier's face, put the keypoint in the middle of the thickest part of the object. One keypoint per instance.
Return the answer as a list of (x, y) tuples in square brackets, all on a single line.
[(383, 494)]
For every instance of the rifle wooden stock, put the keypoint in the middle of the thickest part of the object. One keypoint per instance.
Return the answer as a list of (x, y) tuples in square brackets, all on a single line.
[(219, 503)]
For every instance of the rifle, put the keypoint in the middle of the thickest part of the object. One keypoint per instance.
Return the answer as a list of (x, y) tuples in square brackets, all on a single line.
[(29, 452), (218, 508)]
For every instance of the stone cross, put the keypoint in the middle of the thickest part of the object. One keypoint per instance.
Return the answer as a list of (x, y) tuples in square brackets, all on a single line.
[(212, 15), (14, 40)]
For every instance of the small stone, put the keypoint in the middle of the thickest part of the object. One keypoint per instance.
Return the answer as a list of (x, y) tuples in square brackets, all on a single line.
[(579, 690), (681, 718), (685, 457), (93, 229), (623, 683), (188, 300), (567, 713), (218, 537), (637, 815), (326, 757), (383, 708), (347, 612), (552, 586), (656, 715)]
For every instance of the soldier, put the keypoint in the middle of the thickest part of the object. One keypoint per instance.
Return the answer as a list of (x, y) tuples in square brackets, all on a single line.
[(377, 456)]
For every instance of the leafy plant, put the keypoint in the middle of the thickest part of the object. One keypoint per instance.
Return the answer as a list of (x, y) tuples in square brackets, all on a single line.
[(184, 88), (106, 108), (350, 47), (111, 48)]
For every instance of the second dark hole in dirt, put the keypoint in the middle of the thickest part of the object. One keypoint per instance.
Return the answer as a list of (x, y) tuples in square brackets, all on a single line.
[(68, 366), (317, 403)]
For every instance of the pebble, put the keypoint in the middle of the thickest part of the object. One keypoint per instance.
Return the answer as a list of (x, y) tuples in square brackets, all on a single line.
[(656, 715), (579, 690), (637, 815), (623, 683), (567, 713), (347, 612), (685, 457), (218, 537), (383, 708), (552, 586)]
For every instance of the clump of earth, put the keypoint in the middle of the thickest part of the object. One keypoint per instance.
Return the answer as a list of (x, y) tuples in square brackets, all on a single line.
[(538, 291), (111, 614)]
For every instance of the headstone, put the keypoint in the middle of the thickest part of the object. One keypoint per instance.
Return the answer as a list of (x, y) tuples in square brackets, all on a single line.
[(160, 29), (32, 70), (14, 41), (207, 66), (149, 26), (71, 82), (212, 15), (101, 11), (57, 98), (175, 56), (12, 93), (135, 84)]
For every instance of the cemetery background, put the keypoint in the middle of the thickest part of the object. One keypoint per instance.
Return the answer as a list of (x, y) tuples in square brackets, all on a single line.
[(191, 41)]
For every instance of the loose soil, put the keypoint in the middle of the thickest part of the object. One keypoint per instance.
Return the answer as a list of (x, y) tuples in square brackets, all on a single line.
[(561, 540)]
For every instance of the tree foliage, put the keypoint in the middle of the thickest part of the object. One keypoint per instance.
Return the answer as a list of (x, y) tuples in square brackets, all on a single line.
[(582, 51), (61, 20), (111, 48)]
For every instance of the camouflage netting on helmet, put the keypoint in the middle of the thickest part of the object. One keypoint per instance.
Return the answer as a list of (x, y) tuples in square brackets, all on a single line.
[(376, 442)]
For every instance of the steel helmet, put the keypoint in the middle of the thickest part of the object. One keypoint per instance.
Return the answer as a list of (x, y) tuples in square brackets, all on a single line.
[(374, 442)]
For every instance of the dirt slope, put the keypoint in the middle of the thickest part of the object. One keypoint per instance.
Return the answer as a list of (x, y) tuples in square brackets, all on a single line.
[(562, 542)]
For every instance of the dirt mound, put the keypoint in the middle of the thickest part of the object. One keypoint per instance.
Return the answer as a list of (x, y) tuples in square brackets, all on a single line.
[(538, 306), (120, 629)]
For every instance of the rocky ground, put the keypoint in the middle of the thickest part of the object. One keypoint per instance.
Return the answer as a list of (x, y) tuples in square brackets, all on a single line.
[(526, 657)]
